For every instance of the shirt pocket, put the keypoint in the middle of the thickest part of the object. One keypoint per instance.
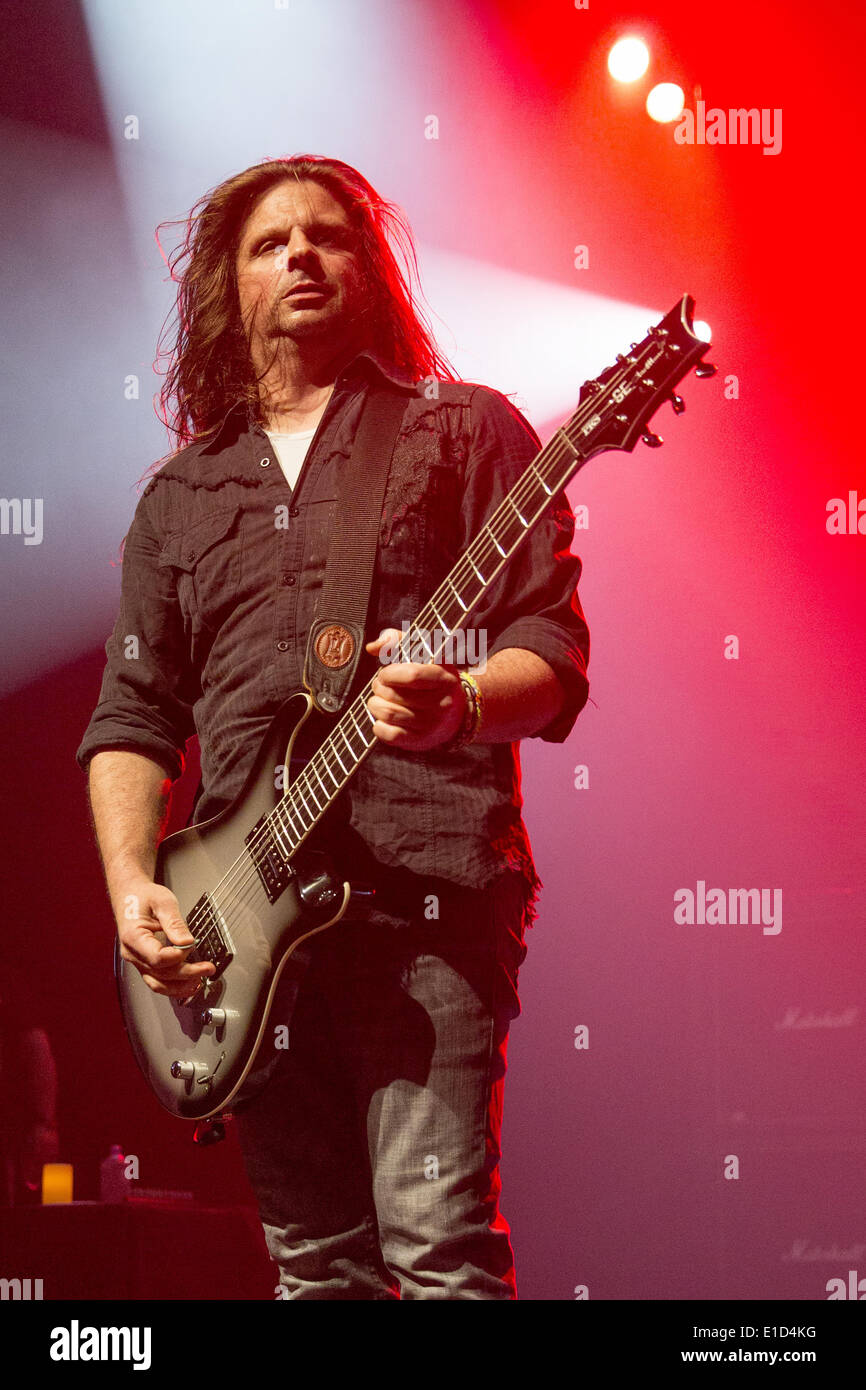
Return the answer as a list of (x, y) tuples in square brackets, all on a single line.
[(206, 558)]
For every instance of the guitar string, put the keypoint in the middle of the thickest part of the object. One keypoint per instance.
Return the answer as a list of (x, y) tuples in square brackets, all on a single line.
[(279, 814), (505, 509), (224, 896), (246, 864)]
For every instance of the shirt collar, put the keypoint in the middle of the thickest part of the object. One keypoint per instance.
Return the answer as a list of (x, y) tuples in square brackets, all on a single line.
[(365, 365)]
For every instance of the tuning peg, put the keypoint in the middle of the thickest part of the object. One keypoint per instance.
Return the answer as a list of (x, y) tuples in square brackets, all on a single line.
[(678, 403), (652, 441), (705, 369)]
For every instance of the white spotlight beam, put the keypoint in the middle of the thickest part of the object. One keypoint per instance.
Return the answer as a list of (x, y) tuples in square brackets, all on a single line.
[(534, 337)]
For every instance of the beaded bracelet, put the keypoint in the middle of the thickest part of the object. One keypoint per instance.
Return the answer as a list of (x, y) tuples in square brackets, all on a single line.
[(471, 724)]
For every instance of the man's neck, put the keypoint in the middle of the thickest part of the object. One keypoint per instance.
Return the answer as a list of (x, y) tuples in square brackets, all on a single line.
[(297, 386), (296, 410)]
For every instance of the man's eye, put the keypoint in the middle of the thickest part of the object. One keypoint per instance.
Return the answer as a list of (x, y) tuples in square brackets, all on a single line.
[(334, 237)]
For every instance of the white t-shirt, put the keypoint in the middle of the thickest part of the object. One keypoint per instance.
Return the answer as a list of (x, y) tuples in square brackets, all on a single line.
[(291, 450)]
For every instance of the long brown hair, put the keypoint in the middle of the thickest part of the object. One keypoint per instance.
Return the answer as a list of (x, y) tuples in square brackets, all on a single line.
[(209, 367)]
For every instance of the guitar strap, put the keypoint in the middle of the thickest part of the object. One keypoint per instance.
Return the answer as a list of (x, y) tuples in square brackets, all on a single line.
[(336, 638)]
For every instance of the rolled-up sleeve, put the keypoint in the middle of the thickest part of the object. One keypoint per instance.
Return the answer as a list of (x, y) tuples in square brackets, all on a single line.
[(533, 604), (145, 703)]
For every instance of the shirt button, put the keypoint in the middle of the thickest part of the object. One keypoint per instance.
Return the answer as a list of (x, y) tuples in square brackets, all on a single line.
[(294, 511), (282, 646), (288, 579), (190, 555), (264, 463)]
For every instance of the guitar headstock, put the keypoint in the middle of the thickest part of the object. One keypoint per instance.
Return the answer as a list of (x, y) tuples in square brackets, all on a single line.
[(616, 407)]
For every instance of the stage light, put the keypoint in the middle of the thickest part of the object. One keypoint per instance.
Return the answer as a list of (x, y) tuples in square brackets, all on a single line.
[(665, 102), (628, 60), (569, 334), (703, 330)]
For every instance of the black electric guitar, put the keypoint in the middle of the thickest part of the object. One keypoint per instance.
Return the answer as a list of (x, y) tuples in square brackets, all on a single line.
[(248, 891)]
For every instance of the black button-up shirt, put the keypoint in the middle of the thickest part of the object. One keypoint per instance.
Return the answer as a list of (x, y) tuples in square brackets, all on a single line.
[(222, 568)]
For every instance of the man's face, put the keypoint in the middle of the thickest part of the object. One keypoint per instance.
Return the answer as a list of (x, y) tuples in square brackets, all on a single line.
[(297, 268)]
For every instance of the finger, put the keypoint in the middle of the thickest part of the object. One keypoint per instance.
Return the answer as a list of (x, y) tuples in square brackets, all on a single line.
[(178, 933), (389, 636), (177, 972), (150, 945), (419, 675), (418, 713), (390, 733), (141, 946), (395, 717), (171, 989), (411, 692), (164, 910)]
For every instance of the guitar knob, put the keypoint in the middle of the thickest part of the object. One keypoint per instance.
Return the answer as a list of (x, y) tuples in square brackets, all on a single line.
[(186, 1071), (705, 369), (215, 1017), (653, 441), (678, 404)]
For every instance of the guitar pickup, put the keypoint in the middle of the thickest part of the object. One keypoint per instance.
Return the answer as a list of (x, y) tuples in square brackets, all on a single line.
[(271, 867), (212, 942)]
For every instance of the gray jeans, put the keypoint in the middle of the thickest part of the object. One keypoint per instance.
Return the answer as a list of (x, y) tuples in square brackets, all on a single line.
[(374, 1150)]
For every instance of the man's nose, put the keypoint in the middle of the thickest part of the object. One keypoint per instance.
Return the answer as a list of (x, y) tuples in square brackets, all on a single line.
[(299, 247)]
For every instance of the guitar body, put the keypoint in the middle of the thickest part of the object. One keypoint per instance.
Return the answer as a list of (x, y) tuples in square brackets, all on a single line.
[(200, 1064)]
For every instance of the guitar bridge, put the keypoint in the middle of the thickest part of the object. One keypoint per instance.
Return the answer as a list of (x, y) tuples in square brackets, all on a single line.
[(265, 853)]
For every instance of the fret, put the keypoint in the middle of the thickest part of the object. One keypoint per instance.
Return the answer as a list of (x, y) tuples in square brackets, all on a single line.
[(283, 841), (522, 519), (563, 437), (284, 850), (297, 788), (476, 569), (440, 620), (548, 490), (496, 543), (287, 809), (309, 786), (292, 835), (321, 783), (456, 595), (358, 727), (347, 745), (297, 834), (339, 759), (330, 771)]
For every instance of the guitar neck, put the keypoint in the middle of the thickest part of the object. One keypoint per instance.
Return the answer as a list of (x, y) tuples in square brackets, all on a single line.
[(614, 410), (349, 742)]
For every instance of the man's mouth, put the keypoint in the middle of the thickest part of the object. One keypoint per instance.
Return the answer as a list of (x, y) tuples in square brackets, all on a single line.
[(306, 291)]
